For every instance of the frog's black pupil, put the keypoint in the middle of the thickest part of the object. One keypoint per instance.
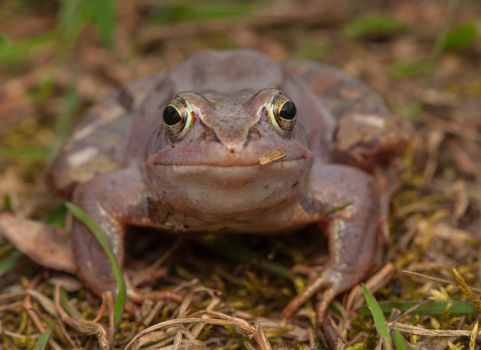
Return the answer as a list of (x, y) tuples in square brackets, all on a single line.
[(171, 116), (288, 110)]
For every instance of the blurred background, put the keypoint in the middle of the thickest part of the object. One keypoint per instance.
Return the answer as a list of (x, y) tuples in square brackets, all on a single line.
[(58, 58)]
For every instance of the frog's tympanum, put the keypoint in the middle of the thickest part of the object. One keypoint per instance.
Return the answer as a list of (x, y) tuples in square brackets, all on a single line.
[(229, 142)]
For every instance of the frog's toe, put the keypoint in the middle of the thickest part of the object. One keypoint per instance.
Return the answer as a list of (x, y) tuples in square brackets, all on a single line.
[(46, 245), (324, 299), (326, 287)]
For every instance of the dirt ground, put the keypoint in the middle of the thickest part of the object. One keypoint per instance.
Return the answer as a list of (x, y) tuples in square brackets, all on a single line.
[(58, 58)]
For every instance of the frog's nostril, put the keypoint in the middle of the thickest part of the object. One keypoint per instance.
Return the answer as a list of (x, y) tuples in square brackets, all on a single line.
[(234, 147)]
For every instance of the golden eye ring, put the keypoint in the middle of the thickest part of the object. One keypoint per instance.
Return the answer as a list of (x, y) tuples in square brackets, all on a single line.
[(178, 118), (282, 113)]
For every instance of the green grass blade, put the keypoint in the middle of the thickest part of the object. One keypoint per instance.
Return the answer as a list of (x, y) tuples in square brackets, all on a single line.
[(312, 50), (101, 237), (102, 14), (336, 208), (408, 69), (13, 53), (460, 37), (436, 53), (74, 15), (4, 40), (7, 203), (42, 341), (6, 250), (278, 269), (71, 20), (66, 305), (57, 217), (432, 308), (399, 341), (375, 26), (63, 120), (28, 153), (9, 262), (205, 11), (378, 316)]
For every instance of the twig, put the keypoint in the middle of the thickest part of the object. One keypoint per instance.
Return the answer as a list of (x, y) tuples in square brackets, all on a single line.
[(198, 327), (27, 303), (376, 282), (11, 295), (11, 306), (406, 328), (82, 325), (153, 313), (437, 279), (214, 318)]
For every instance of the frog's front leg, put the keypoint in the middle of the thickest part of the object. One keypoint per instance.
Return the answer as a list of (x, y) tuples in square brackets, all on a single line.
[(114, 200), (352, 231)]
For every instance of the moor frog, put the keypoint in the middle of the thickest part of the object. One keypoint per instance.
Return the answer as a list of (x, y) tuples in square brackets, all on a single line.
[(229, 142)]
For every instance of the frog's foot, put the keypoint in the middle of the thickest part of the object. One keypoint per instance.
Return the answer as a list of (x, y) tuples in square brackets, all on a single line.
[(326, 287), (49, 246)]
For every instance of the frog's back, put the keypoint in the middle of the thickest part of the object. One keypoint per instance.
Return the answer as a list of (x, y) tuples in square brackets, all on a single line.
[(97, 143), (365, 131)]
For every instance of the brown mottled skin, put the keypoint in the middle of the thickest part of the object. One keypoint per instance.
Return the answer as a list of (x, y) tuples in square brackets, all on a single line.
[(125, 168)]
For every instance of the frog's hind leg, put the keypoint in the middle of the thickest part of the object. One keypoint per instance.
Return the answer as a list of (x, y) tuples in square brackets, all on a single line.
[(46, 245)]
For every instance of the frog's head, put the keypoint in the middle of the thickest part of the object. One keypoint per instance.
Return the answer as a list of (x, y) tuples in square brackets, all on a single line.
[(228, 154)]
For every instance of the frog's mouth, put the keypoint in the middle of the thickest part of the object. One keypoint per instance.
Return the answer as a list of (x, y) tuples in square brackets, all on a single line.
[(259, 164), (222, 158)]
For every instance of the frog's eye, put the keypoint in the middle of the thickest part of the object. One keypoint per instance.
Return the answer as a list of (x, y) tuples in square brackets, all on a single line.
[(282, 113), (177, 118), (171, 116)]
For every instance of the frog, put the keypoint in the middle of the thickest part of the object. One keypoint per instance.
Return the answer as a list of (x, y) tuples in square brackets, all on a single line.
[(228, 142)]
